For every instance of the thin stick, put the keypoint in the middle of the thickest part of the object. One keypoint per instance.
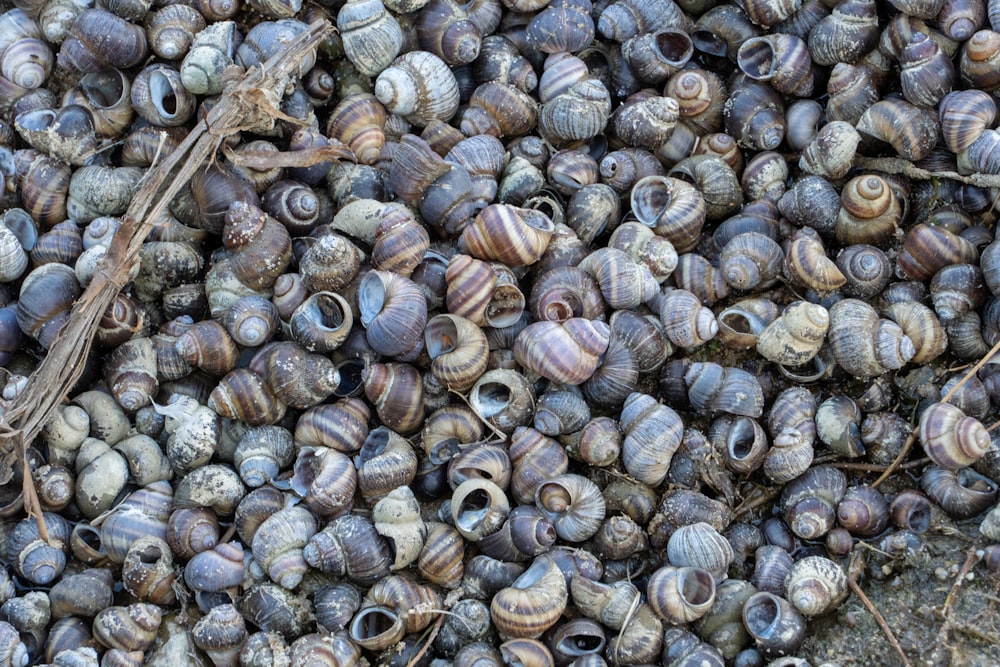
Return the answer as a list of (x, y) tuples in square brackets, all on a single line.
[(856, 566), (971, 558), (891, 165), (886, 630), (872, 467), (767, 496), (427, 644)]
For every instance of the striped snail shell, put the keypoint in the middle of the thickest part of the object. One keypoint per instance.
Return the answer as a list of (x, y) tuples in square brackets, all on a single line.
[(393, 312), (371, 35), (849, 32), (623, 282), (950, 438), (681, 594), (686, 322), (927, 73), (715, 388), (781, 59), (172, 31), (806, 263), (573, 503), (278, 543), (568, 353), (911, 130), (458, 350), (325, 479), (964, 116), (962, 493), (131, 628), (626, 18), (418, 86), (349, 546), (870, 212), (673, 208), (532, 603), (652, 435), (536, 458)]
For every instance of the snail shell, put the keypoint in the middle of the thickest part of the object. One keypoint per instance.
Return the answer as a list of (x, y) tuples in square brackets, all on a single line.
[(686, 322), (371, 35), (211, 52), (278, 544), (713, 388), (816, 585), (775, 625), (221, 634), (849, 32), (573, 503), (796, 336), (912, 131), (458, 350), (950, 438), (532, 603), (418, 86), (961, 494), (536, 459), (536, 349), (754, 115), (810, 501), (781, 59), (863, 344), (445, 29), (673, 208), (131, 628), (397, 518), (393, 312), (626, 18), (699, 545), (863, 511), (245, 395), (652, 435), (99, 39), (681, 594), (350, 546)]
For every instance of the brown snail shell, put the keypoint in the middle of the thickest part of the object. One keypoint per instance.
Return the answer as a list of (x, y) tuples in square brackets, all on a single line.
[(393, 312), (863, 511), (536, 458), (927, 73), (686, 322), (220, 633), (781, 59), (961, 494), (965, 115), (809, 501), (864, 345), (681, 594), (910, 130), (502, 398), (99, 39), (325, 479), (535, 348), (626, 18), (675, 209), (849, 32), (775, 625), (245, 395), (533, 602), (458, 350), (278, 544), (397, 393), (573, 503), (131, 628), (950, 438)]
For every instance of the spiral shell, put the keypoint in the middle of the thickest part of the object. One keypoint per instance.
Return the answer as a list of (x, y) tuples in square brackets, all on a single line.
[(418, 86), (542, 347), (532, 603), (681, 594), (910, 130), (652, 436), (370, 34)]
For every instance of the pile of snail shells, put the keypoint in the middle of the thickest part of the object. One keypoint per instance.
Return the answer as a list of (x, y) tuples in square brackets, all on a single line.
[(595, 276)]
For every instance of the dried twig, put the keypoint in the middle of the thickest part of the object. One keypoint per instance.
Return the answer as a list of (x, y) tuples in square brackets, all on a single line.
[(427, 644), (971, 558), (854, 569), (765, 497), (249, 103), (893, 165)]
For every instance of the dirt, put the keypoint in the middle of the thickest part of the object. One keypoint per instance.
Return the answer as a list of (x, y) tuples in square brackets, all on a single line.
[(912, 599)]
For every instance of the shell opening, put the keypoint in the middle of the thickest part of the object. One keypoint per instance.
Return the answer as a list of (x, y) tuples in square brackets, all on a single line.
[(762, 616), (371, 297), (372, 622), (351, 378), (492, 398), (697, 586), (329, 314), (532, 575), (103, 89), (473, 510)]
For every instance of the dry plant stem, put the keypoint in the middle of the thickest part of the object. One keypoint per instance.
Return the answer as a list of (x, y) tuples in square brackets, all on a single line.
[(893, 165), (970, 559), (248, 103), (913, 436), (854, 568), (427, 644), (767, 496)]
